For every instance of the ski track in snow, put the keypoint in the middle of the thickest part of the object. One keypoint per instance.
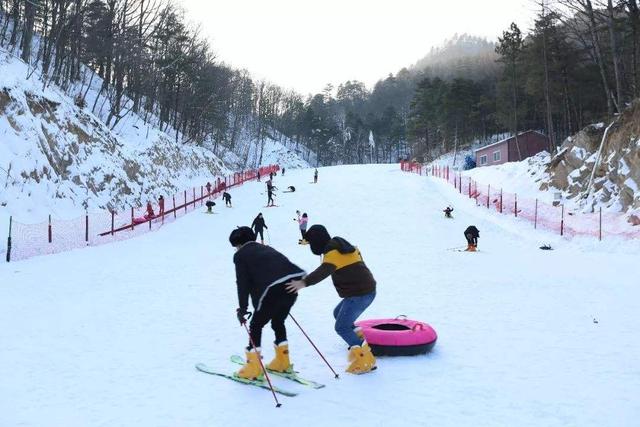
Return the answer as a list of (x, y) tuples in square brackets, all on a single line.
[(109, 335)]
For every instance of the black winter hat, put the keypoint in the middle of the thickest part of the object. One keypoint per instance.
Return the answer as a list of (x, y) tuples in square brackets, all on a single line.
[(241, 235), (318, 237)]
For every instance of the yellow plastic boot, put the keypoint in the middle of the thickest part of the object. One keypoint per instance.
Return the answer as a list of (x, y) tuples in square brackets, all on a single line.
[(368, 354), (251, 369), (360, 359), (359, 332), (281, 362)]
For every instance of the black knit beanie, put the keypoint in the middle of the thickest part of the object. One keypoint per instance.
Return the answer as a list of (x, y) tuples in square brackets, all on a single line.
[(241, 235), (318, 237)]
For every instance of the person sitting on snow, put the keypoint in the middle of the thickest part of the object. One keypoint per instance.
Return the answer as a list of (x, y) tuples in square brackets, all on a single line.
[(150, 213), (355, 285), (290, 189), (447, 212), (261, 273), (472, 234), (210, 204)]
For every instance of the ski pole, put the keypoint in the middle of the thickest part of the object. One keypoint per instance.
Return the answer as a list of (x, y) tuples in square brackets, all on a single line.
[(266, 375), (314, 346)]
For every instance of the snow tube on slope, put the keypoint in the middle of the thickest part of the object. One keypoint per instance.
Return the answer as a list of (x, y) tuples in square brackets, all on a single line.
[(398, 337)]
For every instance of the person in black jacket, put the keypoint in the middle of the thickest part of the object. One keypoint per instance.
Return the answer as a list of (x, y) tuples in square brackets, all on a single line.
[(258, 225), (261, 273), (472, 234)]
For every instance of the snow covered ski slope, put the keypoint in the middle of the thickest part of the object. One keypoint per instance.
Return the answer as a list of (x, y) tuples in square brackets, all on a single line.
[(110, 335)]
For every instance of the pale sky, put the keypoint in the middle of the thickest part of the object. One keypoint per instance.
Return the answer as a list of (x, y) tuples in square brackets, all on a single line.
[(304, 45)]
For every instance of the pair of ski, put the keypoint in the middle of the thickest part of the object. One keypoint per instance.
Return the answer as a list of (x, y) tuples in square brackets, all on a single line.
[(262, 383)]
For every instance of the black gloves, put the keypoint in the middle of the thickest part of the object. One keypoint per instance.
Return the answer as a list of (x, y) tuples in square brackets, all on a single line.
[(243, 315)]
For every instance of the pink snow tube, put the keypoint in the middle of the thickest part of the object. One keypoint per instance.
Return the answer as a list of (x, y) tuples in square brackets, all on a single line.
[(398, 337)]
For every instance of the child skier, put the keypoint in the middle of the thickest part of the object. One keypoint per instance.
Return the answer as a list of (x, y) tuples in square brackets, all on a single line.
[(261, 273), (315, 176), (447, 212), (355, 285), (472, 234), (227, 199), (258, 225), (302, 223), (210, 204)]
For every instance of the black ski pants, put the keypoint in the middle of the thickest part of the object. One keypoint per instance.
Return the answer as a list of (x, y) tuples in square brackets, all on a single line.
[(275, 307)]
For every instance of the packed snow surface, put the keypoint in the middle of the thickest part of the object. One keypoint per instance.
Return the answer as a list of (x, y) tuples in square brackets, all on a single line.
[(109, 336)]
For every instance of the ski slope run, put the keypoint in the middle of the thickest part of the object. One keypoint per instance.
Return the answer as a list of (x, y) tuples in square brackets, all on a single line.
[(110, 335)]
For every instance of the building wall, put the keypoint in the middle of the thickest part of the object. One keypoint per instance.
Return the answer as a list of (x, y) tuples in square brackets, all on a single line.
[(531, 143), (490, 153)]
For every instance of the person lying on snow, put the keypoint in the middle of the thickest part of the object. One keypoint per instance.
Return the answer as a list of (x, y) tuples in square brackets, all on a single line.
[(261, 273), (472, 234), (355, 285)]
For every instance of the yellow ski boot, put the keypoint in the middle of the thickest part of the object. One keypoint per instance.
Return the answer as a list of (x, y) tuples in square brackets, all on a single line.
[(251, 369), (361, 360), (281, 362)]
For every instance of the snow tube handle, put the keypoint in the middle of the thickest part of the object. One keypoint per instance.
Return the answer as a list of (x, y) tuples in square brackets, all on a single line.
[(418, 326), (401, 317)]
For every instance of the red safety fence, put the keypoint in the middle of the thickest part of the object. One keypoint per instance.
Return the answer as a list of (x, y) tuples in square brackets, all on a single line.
[(548, 216), (93, 229)]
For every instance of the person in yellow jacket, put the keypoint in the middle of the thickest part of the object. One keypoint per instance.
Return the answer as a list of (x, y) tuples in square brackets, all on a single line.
[(355, 285)]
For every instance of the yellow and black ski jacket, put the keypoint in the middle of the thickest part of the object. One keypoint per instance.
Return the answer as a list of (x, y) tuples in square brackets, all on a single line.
[(343, 262)]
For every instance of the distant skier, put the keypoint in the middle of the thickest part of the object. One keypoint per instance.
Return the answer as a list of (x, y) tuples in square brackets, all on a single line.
[(355, 285), (160, 205), (447, 212), (472, 234), (208, 186), (258, 225), (282, 171), (210, 204), (302, 223), (258, 175), (315, 176), (261, 272), (227, 199), (270, 189)]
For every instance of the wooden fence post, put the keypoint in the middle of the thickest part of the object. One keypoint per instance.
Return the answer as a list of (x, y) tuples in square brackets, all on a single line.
[(515, 210), (185, 201), (535, 216), (600, 226), (488, 194), (174, 206), (113, 220), (132, 225), (8, 258), (50, 234), (501, 200), (562, 222), (86, 228)]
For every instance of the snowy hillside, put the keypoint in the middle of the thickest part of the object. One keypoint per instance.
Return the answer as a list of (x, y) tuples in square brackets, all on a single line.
[(60, 159), (109, 336)]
